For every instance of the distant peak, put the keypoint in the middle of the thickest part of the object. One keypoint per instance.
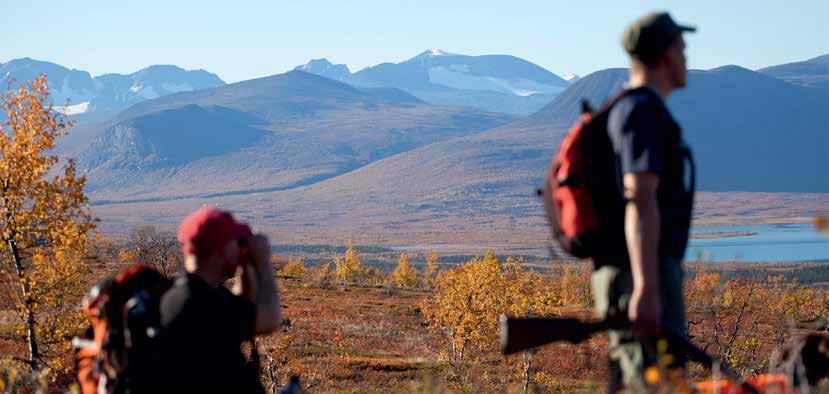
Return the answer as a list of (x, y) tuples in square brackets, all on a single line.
[(325, 68), (162, 67), (731, 68), (320, 61), (434, 52), (571, 78), (28, 61), (167, 72)]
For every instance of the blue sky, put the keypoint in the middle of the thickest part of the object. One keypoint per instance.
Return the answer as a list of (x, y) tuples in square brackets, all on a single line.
[(245, 39)]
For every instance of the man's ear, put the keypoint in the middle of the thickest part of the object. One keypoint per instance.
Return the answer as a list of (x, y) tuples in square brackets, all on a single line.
[(666, 61)]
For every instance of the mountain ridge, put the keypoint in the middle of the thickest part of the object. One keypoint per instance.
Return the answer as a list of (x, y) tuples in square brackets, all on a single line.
[(813, 72), (495, 83), (107, 93)]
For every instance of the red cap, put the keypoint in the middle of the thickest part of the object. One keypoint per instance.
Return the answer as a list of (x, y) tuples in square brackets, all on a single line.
[(209, 229)]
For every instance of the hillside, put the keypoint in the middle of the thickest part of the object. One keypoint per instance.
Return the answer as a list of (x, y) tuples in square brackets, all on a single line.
[(812, 73), (265, 134), (751, 132)]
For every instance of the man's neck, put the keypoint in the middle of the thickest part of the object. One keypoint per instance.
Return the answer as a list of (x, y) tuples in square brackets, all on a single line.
[(192, 265), (652, 80)]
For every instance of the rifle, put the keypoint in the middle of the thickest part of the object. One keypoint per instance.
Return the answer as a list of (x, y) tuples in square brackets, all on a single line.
[(518, 334)]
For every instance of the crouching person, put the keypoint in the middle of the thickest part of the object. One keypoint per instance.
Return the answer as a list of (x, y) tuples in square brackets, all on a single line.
[(204, 323)]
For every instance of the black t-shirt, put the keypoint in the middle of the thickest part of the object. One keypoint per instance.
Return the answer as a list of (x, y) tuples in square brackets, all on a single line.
[(203, 331), (646, 138)]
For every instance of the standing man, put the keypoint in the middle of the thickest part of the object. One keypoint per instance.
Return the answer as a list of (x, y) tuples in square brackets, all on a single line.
[(204, 324), (652, 157)]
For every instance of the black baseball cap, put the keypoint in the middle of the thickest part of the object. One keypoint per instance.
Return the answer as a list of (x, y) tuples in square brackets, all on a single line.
[(649, 36)]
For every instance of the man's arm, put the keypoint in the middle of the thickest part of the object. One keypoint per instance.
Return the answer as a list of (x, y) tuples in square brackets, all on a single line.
[(258, 285), (642, 236)]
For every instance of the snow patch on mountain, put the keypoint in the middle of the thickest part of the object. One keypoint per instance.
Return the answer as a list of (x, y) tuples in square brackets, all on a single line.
[(147, 92), (457, 77), (572, 78), (72, 109)]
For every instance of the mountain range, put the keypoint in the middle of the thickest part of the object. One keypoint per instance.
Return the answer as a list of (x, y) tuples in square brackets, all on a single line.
[(749, 132), (496, 83), (269, 133), (102, 96), (324, 149)]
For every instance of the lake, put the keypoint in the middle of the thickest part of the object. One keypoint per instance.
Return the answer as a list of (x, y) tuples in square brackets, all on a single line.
[(761, 243)]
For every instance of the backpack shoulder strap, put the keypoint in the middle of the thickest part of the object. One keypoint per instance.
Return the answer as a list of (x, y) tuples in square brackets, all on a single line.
[(612, 100)]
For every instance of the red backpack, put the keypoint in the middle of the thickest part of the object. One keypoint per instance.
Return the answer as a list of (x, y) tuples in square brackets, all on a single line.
[(582, 191)]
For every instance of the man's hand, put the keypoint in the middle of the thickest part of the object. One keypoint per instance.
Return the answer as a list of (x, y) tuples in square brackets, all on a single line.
[(259, 249), (645, 312), (266, 296)]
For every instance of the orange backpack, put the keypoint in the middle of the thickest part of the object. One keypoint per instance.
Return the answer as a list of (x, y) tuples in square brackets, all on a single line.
[(121, 345)]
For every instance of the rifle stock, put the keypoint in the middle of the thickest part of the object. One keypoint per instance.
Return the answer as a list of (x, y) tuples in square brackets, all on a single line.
[(518, 334)]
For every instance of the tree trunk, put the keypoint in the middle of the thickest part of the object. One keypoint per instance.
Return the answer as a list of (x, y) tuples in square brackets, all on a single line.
[(28, 304), (527, 365)]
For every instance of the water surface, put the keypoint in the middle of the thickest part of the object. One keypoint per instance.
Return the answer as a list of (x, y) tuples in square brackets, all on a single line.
[(761, 243)]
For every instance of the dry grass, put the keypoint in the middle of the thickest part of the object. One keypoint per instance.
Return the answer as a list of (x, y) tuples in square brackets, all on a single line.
[(364, 339)]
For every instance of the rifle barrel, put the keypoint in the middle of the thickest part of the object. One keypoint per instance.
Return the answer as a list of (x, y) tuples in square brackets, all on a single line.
[(519, 334)]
